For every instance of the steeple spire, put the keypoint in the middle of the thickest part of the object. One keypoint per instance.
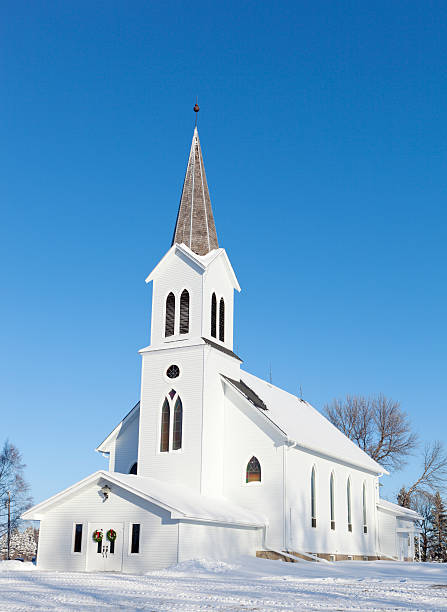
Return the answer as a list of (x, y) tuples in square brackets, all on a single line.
[(195, 222)]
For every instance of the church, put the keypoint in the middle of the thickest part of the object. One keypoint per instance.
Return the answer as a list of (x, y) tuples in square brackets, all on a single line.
[(214, 462)]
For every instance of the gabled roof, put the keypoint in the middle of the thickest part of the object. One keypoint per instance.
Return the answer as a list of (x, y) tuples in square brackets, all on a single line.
[(195, 221), (200, 261), (247, 392), (303, 426), (104, 447), (399, 511), (180, 501), (221, 348)]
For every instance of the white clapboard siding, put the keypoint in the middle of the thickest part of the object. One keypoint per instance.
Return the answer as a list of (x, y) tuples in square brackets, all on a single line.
[(126, 446), (301, 534), (247, 435), (387, 533), (158, 540), (217, 541)]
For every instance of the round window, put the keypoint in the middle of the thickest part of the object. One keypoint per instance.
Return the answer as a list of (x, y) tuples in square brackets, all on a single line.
[(173, 371)]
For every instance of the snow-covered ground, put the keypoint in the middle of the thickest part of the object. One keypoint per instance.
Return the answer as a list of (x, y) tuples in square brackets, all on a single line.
[(246, 584)]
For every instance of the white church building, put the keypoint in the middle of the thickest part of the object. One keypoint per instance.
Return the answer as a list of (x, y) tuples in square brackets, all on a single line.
[(213, 461)]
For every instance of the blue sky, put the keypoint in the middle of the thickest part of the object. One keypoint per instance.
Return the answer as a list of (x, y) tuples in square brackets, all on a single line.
[(323, 127)]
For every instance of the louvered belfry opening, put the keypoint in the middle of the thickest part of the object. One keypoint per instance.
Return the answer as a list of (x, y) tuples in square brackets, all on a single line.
[(222, 320), (195, 222), (214, 316), (184, 312), (170, 315)]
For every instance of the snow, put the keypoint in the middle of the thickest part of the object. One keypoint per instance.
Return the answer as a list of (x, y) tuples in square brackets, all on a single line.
[(16, 566), (181, 501), (307, 427), (246, 583)]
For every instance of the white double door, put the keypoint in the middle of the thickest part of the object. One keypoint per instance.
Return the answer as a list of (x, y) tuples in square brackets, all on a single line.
[(107, 555)]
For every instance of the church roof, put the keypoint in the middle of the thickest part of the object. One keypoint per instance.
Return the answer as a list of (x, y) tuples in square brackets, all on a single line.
[(180, 501), (195, 221), (302, 424)]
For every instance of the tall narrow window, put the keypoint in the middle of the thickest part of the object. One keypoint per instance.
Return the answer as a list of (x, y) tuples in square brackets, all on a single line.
[(214, 316), (135, 541), (78, 538), (222, 320), (165, 421), (170, 315), (177, 432), (184, 312), (348, 501), (133, 469), (313, 501), (331, 493), (253, 473), (365, 524)]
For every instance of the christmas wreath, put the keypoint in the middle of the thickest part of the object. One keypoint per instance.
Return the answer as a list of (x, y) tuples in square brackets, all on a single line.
[(111, 535), (97, 536)]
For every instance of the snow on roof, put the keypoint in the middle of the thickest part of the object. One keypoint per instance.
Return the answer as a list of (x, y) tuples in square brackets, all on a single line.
[(180, 501), (104, 447), (399, 510), (307, 427)]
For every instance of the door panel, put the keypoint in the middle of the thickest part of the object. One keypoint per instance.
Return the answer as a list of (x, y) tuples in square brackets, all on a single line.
[(106, 556)]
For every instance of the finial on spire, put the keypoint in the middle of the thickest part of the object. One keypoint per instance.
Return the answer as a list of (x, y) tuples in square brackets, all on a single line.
[(196, 109)]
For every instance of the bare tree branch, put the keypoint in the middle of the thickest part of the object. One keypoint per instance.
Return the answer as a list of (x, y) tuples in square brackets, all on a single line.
[(377, 425)]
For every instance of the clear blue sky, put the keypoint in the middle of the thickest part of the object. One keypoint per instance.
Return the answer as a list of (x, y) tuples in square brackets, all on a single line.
[(323, 127)]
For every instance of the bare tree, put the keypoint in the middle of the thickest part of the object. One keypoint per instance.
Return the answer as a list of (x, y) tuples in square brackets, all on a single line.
[(423, 505), (12, 486), (377, 425), (433, 475)]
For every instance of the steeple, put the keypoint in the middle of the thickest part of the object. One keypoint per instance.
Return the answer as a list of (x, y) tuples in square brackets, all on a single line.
[(195, 222)]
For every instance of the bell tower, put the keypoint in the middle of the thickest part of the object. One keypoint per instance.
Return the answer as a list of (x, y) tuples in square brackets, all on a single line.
[(181, 406)]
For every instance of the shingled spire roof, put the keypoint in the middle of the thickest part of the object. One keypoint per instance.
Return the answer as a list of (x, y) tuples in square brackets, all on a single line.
[(195, 222)]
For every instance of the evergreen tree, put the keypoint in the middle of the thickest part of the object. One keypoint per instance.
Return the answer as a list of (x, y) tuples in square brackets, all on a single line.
[(438, 532)]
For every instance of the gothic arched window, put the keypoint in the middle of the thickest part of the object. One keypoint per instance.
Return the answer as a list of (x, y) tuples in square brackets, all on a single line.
[(184, 312), (365, 524), (178, 423), (332, 500), (222, 320), (313, 501), (348, 501), (133, 469), (165, 422), (214, 316), (253, 473), (170, 315)]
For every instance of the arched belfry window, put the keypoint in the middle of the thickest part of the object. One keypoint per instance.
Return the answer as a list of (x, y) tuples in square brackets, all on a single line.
[(313, 501), (348, 501), (332, 500), (165, 426), (170, 315), (184, 312), (365, 524), (222, 320), (178, 423), (133, 469), (253, 473), (214, 316)]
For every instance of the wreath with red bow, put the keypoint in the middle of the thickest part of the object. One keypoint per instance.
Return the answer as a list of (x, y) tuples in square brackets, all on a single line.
[(111, 535), (97, 536)]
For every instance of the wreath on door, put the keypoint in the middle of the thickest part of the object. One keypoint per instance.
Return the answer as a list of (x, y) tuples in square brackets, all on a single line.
[(111, 535), (97, 536)]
